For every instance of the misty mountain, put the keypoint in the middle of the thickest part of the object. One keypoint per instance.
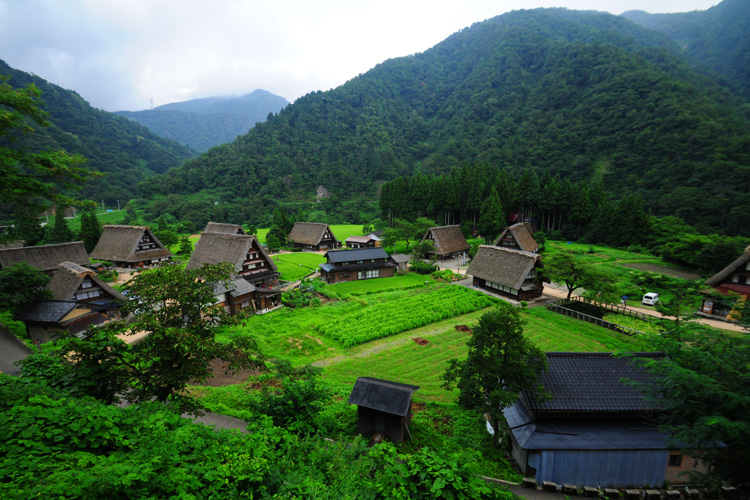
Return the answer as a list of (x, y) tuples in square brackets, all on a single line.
[(204, 123), (716, 38), (123, 150), (586, 95)]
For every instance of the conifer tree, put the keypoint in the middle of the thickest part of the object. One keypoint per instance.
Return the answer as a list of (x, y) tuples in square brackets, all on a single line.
[(91, 230), (59, 232), (491, 217)]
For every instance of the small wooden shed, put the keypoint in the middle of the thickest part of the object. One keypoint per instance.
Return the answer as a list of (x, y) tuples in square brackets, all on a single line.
[(383, 407)]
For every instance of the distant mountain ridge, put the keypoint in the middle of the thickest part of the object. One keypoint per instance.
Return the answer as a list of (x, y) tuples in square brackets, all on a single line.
[(123, 150), (204, 123), (586, 95), (716, 38)]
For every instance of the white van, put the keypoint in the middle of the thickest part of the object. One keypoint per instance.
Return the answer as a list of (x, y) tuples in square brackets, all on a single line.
[(651, 298)]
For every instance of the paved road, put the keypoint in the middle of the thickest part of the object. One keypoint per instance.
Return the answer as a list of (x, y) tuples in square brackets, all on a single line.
[(11, 350)]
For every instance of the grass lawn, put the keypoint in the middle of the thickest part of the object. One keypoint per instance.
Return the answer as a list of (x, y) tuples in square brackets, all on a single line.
[(104, 218), (364, 287), (294, 266)]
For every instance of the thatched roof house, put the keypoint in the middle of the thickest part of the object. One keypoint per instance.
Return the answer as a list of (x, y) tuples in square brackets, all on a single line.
[(219, 227), (733, 281), (449, 241), (46, 258), (244, 252), (360, 241), (312, 236), (508, 272), (73, 282), (383, 407), (519, 237), (130, 246)]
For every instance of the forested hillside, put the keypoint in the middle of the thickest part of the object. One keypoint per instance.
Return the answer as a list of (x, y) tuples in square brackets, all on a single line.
[(204, 123), (124, 151), (716, 38), (586, 95)]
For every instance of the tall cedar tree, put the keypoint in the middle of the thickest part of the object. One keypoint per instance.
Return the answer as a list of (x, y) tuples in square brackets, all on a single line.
[(91, 230), (59, 232), (26, 226), (491, 217), (501, 363)]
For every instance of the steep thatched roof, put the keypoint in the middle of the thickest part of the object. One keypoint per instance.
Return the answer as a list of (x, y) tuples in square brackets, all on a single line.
[(523, 235), (118, 243), (382, 395), (505, 266), (448, 239), (45, 257), (718, 278), (68, 277), (214, 248), (308, 233), (219, 227)]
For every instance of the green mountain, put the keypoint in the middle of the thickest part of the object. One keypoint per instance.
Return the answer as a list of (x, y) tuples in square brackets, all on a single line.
[(716, 38), (123, 150), (205, 123), (584, 94)]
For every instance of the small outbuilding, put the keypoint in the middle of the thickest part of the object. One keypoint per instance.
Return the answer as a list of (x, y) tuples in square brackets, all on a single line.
[(360, 242), (401, 260), (220, 227), (730, 286), (383, 407)]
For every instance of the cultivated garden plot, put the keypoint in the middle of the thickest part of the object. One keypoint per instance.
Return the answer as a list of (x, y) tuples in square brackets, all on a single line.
[(419, 309)]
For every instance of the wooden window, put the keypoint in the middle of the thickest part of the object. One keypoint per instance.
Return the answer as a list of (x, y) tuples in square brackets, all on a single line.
[(86, 284), (675, 460)]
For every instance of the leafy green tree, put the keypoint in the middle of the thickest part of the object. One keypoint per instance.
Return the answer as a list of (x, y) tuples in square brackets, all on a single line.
[(59, 232), (31, 179), (26, 226), (702, 387), (21, 285), (424, 250), (167, 237), (573, 271), (276, 237), (390, 238), (491, 217), (186, 247), (176, 307), (500, 364)]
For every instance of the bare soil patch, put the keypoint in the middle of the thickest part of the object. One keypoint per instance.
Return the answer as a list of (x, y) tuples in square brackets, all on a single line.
[(420, 341), (667, 271), (221, 378), (463, 328)]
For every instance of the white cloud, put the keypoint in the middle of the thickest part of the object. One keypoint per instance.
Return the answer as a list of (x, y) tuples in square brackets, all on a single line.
[(120, 54)]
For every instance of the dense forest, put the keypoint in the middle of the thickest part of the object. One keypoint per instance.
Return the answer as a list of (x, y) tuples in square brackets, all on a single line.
[(584, 95), (204, 123), (124, 151), (715, 39)]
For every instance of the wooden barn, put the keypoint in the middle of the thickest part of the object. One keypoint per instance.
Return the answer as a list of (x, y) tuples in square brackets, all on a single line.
[(596, 429), (729, 285), (383, 407), (518, 237), (130, 247), (449, 241), (507, 272), (312, 236), (356, 264), (46, 258), (360, 242)]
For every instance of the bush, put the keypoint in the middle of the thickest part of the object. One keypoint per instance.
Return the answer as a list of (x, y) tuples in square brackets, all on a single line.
[(422, 267)]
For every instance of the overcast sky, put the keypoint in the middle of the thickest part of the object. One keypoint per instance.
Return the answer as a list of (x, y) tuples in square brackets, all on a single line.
[(120, 54)]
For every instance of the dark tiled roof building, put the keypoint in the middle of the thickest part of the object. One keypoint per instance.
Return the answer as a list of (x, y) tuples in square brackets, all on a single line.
[(596, 430), (356, 264)]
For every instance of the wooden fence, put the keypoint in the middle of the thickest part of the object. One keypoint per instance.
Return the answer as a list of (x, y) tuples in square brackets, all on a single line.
[(556, 307), (616, 308)]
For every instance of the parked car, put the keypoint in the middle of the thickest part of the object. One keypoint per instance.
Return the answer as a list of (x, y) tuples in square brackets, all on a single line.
[(651, 298)]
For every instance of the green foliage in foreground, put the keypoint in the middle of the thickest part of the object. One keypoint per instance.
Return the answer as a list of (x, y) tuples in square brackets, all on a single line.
[(54, 446), (419, 309)]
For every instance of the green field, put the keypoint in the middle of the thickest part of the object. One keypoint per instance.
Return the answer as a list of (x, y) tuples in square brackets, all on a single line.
[(294, 266), (365, 287), (340, 231)]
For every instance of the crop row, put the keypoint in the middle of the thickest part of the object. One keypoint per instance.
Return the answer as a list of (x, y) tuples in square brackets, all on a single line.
[(395, 316)]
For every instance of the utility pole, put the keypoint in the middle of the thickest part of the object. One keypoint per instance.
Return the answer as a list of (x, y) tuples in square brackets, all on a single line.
[(103, 209)]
